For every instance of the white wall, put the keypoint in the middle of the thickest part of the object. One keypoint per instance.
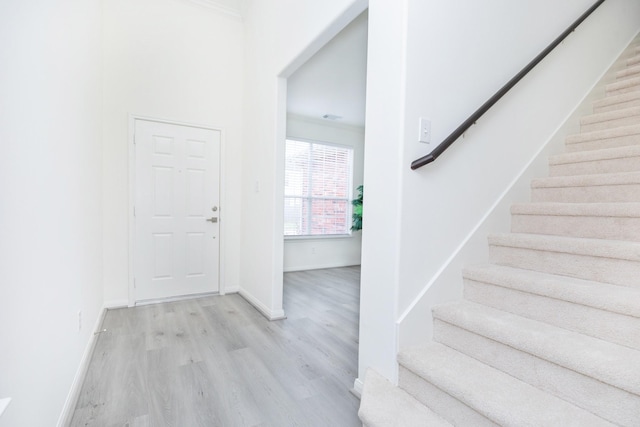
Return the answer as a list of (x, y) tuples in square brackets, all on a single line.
[(179, 61), (313, 253), (280, 35), (380, 239), (449, 70), (50, 217)]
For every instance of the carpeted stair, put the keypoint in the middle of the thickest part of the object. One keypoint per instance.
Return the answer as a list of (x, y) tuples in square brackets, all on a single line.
[(548, 333)]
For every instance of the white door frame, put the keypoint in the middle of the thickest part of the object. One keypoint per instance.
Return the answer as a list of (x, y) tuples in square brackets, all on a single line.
[(132, 199)]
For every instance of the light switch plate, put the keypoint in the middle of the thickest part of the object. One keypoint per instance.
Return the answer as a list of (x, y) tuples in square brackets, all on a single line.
[(425, 130)]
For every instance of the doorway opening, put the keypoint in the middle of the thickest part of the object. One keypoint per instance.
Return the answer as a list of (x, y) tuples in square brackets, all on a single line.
[(323, 147), (324, 153)]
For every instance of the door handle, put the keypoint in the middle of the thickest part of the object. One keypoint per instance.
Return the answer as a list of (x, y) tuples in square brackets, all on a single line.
[(213, 219)]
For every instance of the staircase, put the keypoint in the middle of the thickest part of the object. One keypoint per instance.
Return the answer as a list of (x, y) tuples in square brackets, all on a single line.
[(548, 333)]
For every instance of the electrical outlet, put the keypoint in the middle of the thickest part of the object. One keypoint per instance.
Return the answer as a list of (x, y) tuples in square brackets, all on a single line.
[(313, 250), (79, 320)]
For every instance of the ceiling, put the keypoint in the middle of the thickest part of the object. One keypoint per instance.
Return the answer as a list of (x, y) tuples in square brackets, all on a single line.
[(333, 81)]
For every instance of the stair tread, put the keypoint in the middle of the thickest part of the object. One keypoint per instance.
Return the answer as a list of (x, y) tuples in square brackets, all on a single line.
[(617, 99), (605, 361), (597, 135), (618, 210), (610, 115), (617, 249), (604, 296), (495, 394), (383, 404), (590, 180), (629, 71), (595, 155), (623, 84), (633, 60)]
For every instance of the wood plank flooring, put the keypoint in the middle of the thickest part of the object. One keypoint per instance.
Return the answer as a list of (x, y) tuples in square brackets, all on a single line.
[(216, 361)]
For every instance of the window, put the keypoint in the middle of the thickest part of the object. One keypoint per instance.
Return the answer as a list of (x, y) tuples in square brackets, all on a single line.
[(317, 189)]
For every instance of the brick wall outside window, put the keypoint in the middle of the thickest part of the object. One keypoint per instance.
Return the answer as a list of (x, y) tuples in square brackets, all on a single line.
[(317, 192)]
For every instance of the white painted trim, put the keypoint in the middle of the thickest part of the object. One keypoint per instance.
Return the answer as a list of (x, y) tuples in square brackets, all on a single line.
[(465, 241), (222, 209), (76, 386), (318, 267), (263, 309), (118, 303), (132, 182), (173, 299), (132, 203), (311, 238), (328, 123), (319, 142), (3, 404), (358, 386), (332, 30), (277, 254)]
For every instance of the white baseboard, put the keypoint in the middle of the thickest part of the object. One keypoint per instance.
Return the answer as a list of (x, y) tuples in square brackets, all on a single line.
[(3, 404), (266, 311), (290, 269), (357, 388), (76, 385), (174, 299), (117, 303), (231, 290)]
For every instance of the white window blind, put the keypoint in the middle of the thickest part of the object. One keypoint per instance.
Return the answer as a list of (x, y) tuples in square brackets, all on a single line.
[(317, 189)]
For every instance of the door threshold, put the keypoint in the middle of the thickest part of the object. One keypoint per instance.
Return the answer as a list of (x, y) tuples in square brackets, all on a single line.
[(173, 299)]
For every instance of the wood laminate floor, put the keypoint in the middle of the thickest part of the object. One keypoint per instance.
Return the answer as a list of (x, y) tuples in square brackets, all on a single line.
[(216, 361)]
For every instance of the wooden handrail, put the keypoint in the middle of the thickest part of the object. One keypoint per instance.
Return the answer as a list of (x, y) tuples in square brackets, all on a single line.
[(496, 97)]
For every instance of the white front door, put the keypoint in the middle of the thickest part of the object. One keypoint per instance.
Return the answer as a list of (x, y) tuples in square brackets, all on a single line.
[(176, 210)]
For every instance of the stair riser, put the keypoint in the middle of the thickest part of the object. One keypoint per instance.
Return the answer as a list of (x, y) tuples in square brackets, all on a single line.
[(617, 106), (445, 405), (593, 194), (608, 270), (606, 401), (600, 144), (597, 227), (624, 164), (609, 124), (606, 325), (382, 404)]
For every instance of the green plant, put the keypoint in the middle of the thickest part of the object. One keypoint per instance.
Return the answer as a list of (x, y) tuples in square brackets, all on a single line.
[(357, 210)]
